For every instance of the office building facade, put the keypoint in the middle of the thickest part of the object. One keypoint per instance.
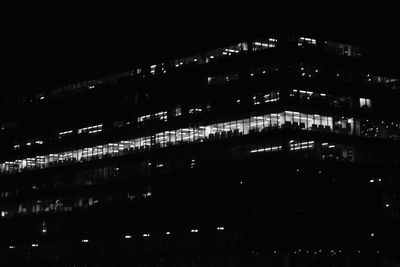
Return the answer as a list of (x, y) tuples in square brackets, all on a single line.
[(275, 151)]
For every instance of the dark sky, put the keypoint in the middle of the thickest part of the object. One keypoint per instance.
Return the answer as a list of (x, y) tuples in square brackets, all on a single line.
[(44, 45)]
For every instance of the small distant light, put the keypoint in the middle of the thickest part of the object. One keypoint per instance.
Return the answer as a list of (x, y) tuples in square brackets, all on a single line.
[(297, 170), (167, 233), (238, 101), (34, 245), (146, 235), (11, 247), (379, 180), (387, 205), (251, 74), (128, 237), (241, 182), (264, 72), (42, 97), (85, 240), (372, 180), (372, 234), (220, 228), (194, 230), (377, 252)]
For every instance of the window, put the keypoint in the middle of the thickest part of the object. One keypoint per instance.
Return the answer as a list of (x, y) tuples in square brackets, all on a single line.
[(264, 44), (304, 41), (365, 103), (342, 49)]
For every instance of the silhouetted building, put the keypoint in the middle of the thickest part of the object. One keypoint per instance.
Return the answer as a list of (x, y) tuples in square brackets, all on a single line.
[(277, 151)]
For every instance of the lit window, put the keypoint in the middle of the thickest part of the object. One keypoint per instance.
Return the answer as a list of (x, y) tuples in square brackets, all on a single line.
[(264, 44), (365, 103), (306, 41)]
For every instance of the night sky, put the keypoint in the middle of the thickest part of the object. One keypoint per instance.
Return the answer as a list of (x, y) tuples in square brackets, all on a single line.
[(44, 46)]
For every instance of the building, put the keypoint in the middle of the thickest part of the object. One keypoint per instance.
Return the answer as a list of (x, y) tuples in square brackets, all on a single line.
[(275, 151)]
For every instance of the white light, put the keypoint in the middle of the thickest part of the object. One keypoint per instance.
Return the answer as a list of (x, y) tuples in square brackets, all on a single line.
[(220, 228), (34, 245), (372, 234), (11, 247), (167, 233), (387, 205), (128, 237), (372, 180), (194, 230), (85, 240), (42, 97), (146, 235)]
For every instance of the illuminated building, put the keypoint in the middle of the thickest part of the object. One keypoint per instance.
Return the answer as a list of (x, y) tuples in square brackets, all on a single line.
[(274, 151)]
